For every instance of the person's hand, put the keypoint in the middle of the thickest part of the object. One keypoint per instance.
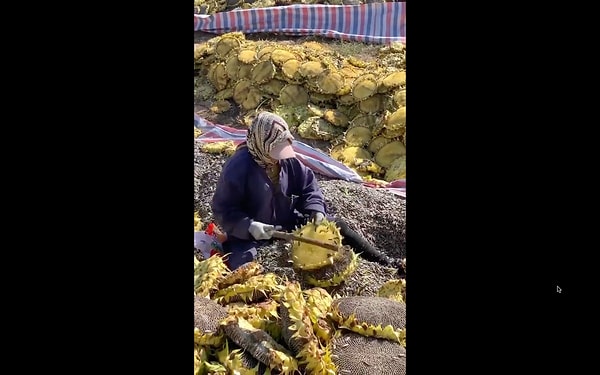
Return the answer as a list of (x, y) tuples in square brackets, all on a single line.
[(261, 231), (317, 217)]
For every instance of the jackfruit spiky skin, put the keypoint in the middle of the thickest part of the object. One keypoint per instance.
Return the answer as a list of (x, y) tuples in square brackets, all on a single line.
[(310, 257), (255, 289), (361, 355), (318, 302), (336, 273), (393, 289), (260, 345), (241, 274), (207, 317), (371, 316), (207, 274), (299, 335)]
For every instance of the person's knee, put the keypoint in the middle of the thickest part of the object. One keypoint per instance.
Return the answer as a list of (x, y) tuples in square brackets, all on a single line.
[(237, 258)]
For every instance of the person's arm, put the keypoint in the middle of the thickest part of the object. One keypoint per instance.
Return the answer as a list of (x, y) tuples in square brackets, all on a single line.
[(312, 197), (227, 204)]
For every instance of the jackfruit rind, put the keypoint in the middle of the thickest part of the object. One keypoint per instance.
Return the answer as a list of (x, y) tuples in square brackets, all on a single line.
[(360, 355), (335, 118), (390, 152), (336, 273), (291, 70), (371, 316), (255, 289), (262, 72), (247, 56), (374, 104), (310, 257), (396, 120), (220, 106), (241, 274), (224, 94), (207, 316), (315, 127), (241, 90), (377, 143), (293, 95), (394, 289), (260, 345), (358, 136), (273, 87), (311, 69), (364, 86), (396, 170), (280, 56)]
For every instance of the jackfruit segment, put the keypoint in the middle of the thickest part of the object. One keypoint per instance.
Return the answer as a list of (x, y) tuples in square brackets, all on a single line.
[(260, 345), (390, 152), (377, 143), (359, 355), (397, 170), (358, 136), (207, 316), (263, 72), (241, 274), (330, 82), (255, 289), (336, 273), (364, 86), (207, 275), (315, 127), (394, 290), (220, 106), (310, 257), (293, 95), (371, 316), (299, 335)]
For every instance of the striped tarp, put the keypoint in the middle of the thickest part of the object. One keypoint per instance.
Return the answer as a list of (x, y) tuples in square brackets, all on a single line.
[(381, 23), (309, 156)]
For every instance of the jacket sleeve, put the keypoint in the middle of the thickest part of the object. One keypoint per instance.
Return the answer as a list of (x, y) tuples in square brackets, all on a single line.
[(227, 204), (312, 196)]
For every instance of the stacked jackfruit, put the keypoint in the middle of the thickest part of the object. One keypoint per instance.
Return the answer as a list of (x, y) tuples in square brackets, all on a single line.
[(358, 106), (251, 322)]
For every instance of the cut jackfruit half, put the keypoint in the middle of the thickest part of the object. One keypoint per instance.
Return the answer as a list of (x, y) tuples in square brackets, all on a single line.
[(310, 257)]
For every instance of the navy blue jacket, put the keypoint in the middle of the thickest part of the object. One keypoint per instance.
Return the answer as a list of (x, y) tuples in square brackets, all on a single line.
[(244, 192)]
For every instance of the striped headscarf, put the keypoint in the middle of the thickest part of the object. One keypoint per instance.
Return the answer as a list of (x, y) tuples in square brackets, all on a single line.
[(266, 131)]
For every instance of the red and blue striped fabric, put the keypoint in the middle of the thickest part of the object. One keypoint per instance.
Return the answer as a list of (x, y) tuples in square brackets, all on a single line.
[(381, 23), (309, 156)]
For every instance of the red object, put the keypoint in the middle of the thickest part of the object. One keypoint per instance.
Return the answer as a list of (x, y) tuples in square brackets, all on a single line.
[(211, 228)]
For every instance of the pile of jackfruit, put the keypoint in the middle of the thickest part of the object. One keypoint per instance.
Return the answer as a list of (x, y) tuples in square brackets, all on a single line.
[(251, 322), (357, 106)]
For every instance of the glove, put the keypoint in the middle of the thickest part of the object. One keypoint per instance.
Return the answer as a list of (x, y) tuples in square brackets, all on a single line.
[(261, 231), (317, 217)]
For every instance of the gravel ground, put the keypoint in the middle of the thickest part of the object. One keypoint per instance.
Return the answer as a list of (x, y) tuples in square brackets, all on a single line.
[(377, 215)]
